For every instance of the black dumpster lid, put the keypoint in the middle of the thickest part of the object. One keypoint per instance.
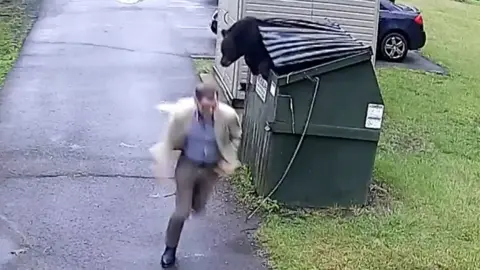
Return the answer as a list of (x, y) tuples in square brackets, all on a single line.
[(295, 45), (317, 70)]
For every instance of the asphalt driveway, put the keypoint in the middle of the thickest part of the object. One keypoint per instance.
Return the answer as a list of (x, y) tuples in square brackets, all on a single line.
[(415, 61), (77, 116)]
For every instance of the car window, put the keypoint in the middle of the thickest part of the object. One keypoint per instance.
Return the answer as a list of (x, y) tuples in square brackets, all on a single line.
[(387, 5)]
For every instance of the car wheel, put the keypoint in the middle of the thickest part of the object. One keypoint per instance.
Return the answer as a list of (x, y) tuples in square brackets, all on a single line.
[(394, 47), (213, 27)]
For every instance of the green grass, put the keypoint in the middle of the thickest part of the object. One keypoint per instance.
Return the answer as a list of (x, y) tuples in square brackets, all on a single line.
[(429, 156), (14, 24), (203, 66)]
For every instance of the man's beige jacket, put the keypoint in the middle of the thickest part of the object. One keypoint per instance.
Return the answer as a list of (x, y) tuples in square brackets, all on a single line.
[(227, 130)]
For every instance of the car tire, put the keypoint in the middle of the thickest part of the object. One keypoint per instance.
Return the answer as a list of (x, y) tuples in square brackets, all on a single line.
[(394, 47), (214, 27)]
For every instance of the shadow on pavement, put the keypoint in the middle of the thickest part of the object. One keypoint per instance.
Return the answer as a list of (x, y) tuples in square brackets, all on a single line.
[(415, 61)]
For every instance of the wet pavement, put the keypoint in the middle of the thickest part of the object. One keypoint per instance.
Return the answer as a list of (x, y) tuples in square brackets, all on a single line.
[(195, 27), (77, 116)]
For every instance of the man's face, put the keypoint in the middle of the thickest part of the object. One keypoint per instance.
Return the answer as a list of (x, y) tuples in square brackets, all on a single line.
[(207, 102)]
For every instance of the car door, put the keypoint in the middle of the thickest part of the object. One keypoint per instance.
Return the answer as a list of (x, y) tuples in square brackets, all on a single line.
[(382, 21)]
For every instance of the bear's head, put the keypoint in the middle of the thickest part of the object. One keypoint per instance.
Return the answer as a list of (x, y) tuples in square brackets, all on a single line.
[(241, 38), (229, 49)]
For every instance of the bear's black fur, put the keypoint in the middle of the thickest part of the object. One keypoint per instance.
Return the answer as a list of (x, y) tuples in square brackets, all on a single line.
[(243, 38)]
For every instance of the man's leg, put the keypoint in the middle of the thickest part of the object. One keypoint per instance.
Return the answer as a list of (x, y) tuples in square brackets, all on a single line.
[(185, 174), (203, 189)]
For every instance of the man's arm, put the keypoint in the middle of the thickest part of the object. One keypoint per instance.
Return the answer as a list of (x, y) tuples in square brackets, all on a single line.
[(235, 129), (162, 150), (172, 131)]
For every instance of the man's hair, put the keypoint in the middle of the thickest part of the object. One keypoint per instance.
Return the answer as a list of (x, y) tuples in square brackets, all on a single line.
[(208, 90)]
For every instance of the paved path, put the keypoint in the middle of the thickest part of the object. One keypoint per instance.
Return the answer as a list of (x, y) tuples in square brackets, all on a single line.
[(76, 120), (415, 61)]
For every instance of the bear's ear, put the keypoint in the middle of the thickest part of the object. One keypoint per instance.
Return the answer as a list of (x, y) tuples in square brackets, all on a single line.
[(223, 32)]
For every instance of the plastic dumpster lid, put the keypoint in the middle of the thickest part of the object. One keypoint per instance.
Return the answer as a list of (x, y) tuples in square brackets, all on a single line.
[(295, 45), (321, 69)]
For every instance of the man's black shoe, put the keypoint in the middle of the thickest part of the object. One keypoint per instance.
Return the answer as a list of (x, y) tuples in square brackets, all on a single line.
[(168, 257)]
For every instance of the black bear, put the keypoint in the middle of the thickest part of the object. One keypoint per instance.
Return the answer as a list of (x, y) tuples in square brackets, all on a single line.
[(243, 38)]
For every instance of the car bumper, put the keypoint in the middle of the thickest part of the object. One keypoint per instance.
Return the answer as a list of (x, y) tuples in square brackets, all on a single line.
[(418, 41)]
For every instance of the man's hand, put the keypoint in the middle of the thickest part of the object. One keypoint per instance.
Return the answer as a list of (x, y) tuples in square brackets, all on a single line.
[(225, 168)]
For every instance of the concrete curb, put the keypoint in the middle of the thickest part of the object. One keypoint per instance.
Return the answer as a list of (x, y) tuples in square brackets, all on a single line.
[(199, 56)]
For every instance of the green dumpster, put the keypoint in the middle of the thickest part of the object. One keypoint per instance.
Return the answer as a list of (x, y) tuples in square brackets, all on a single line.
[(330, 162)]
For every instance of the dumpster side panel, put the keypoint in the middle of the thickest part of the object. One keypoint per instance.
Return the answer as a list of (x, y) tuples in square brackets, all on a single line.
[(249, 128), (256, 139), (247, 123), (335, 162), (319, 176), (342, 99)]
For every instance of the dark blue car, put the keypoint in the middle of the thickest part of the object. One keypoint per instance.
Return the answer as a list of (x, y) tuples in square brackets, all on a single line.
[(400, 29)]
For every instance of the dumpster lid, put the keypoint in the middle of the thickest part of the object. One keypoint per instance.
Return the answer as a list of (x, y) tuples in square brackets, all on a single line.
[(317, 70), (295, 44)]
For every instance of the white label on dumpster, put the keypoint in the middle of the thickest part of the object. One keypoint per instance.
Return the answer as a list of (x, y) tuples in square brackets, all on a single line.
[(261, 88), (273, 88), (374, 116)]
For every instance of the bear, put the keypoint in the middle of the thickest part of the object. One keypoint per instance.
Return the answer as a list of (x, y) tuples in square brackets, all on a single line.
[(243, 38)]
